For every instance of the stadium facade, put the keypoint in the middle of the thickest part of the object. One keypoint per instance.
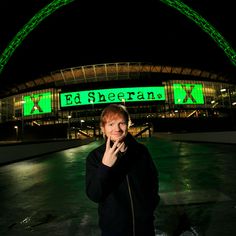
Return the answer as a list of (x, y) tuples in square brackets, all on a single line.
[(68, 102)]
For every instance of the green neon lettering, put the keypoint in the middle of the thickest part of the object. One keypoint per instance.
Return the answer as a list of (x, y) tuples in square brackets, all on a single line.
[(151, 95), (91, 97), (140, 96), (133, 94), (101, 97), (188, 93), (68, 99), (111, 97), (38, 103), (36, 106), (129, 94), (121, 96), (77, 99)]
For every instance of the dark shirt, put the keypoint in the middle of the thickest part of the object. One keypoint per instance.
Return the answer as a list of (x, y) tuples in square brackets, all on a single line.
[(126, 193)]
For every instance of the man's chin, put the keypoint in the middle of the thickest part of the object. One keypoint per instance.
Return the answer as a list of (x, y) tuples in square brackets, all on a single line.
[(113, 139)]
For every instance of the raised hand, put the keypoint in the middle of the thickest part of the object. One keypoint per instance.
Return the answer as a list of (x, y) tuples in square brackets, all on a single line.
[(110, 155)]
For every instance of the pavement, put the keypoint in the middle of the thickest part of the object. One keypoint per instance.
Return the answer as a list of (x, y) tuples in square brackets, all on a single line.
[(46, 195)]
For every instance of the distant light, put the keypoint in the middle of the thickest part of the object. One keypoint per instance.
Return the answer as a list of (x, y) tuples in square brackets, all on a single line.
[(36, 123), (223, 90), (69, 117), (82, 121), (16, 127), (212, 101), (234, 103)]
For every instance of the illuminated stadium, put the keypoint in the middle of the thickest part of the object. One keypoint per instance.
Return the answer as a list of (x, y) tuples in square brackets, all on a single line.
[(68, 103)]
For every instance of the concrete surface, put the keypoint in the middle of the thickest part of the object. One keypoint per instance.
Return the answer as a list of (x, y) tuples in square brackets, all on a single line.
[(46, 195), (16, 151), (228, 137)]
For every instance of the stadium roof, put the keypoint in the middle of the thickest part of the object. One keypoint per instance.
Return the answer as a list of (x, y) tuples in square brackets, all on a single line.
[(99, 32), (106, 72)]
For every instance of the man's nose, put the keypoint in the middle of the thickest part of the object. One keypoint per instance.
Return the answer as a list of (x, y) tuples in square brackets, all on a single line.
[(117, 127)]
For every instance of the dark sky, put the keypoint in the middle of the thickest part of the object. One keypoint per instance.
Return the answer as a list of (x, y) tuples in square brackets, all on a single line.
[(92, 32)]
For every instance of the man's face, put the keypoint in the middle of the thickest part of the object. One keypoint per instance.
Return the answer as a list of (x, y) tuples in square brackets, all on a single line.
[(116, 127)]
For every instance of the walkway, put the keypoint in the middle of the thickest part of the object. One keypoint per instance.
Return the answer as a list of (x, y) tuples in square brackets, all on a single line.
[(45, 196)]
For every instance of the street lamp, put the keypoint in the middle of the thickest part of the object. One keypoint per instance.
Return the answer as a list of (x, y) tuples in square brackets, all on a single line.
[(22, 118), (228, 90), (92, 104), (93, 118), (81, 124), (123, 100), (16, 128), (68, 135)]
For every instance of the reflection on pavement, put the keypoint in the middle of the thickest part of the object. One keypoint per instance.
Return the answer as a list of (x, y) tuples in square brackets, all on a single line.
[(47, 194)]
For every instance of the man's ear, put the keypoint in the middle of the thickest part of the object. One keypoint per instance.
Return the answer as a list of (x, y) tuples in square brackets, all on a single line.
[(103, 132)]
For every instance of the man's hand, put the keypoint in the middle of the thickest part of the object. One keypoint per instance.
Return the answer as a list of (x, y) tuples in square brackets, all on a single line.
[(110, 155)]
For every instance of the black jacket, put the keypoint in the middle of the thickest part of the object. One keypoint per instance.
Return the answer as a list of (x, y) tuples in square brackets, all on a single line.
[(127, 193)]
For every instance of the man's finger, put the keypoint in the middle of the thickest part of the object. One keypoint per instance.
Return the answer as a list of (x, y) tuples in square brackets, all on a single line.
[(115, 145), (118, 149), (108, 142)]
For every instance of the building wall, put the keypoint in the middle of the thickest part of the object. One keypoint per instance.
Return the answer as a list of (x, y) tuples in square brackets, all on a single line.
[(30, 112)]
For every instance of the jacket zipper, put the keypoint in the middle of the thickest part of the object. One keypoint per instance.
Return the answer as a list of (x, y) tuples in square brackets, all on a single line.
[(131, 203)]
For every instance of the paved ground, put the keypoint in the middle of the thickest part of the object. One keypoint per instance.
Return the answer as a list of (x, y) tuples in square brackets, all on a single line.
[(45, 196)]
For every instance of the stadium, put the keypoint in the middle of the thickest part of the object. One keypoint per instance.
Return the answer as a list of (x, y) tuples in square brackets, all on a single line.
[(67, 103)]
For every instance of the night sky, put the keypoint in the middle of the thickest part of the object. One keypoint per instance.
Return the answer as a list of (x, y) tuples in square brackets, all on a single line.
[(93, 32)]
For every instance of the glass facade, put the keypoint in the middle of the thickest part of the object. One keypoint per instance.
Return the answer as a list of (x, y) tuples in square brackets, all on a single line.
[(181, 101), (73, 99)]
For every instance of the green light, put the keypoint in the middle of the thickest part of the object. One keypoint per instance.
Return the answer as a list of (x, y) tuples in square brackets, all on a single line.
[(37, 104), (188, 94), (28, 27), (54, 5), (205, 26), (138, 94)]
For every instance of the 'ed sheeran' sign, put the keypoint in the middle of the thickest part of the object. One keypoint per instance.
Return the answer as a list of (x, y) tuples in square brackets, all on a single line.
[(134, 94)]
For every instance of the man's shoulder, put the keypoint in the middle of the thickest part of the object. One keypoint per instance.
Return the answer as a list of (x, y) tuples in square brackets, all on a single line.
[(137, 146)]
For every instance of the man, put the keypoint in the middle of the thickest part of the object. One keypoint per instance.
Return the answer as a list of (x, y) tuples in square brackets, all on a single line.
[(122, 178)]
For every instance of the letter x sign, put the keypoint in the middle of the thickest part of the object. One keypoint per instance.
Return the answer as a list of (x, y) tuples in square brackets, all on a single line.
[(188, 94), (35, 104)]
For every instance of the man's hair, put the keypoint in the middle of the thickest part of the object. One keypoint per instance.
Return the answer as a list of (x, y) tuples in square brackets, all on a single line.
[(113, 111)]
